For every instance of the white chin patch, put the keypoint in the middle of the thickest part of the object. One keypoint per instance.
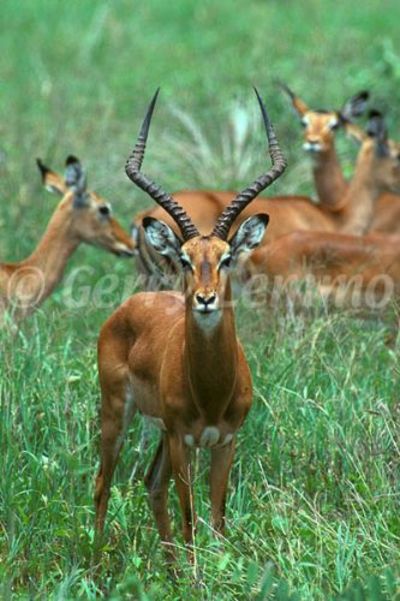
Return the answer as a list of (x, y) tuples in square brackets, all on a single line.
[(207, 321), (312, 147)]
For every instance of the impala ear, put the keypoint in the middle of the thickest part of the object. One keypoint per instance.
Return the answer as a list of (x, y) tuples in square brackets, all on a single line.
[(161, 237), (376, 129), (354, 106), (299, 105), (75, 180), (249, 234), (75, 176), (51, 181)]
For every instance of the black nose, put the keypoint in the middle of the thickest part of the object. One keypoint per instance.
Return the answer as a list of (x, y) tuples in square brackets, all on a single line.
[(205, 299)]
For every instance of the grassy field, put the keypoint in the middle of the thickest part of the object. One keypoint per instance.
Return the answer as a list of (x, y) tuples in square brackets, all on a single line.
[(314, 500)]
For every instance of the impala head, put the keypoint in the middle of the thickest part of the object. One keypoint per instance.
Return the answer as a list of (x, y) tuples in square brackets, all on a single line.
[(91, 218), (205, 260), (378, 155), (320, 126)]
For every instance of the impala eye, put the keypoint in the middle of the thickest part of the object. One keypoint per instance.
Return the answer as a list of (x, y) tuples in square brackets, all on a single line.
[(303, 122), (226, 262), (105, 210)]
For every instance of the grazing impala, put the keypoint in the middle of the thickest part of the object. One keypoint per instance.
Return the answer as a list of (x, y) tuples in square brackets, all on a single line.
[(332, 258), (176, 358), (81, 216), (320, 128)]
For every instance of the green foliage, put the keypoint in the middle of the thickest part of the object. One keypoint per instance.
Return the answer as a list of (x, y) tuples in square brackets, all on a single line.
[(314, 499), (314, 488)]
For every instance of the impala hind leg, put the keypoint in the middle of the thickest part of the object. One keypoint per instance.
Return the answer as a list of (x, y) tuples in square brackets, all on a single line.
[(156, 480), (180, 461), (221, 463), (116, 414)]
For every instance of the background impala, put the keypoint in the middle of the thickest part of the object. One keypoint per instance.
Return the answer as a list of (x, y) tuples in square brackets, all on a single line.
[(81, 216), (320, 128)]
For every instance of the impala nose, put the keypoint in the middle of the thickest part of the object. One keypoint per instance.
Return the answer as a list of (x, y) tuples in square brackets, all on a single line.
[(312, 145), (204, 301)]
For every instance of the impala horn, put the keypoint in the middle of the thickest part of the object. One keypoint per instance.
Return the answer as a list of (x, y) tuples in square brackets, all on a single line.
[(165, 200), (244, 198)]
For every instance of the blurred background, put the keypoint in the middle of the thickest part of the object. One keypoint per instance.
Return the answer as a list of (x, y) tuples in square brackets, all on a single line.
[(77, 76)]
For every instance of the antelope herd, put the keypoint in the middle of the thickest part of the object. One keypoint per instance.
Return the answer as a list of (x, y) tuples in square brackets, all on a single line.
[(175, 357)]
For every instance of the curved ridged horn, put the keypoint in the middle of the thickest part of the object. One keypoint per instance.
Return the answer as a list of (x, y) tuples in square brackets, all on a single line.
[(241, 201), (132, 169)]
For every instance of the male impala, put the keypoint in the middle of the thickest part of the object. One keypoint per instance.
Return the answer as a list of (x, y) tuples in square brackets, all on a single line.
[(332, 258), (176, 358), (320, 128), (81, 216)]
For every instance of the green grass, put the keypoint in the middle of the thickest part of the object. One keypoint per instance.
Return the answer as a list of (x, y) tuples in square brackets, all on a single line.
[(314, 496)]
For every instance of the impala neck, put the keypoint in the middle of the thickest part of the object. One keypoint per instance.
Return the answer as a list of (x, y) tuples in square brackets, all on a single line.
[(52, 253), (329, 181), (211, 358), (360, 200)]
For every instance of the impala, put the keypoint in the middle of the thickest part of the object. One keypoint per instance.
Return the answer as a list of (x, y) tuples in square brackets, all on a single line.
[(363, 270), (176, 358), (319, 131), (320, 128), (81, 216), (332, 258)]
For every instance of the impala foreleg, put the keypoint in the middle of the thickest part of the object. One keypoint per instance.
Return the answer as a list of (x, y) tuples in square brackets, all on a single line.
[(145, 437), (116, 415), (156, 480), (180, 461), (221, 462)]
